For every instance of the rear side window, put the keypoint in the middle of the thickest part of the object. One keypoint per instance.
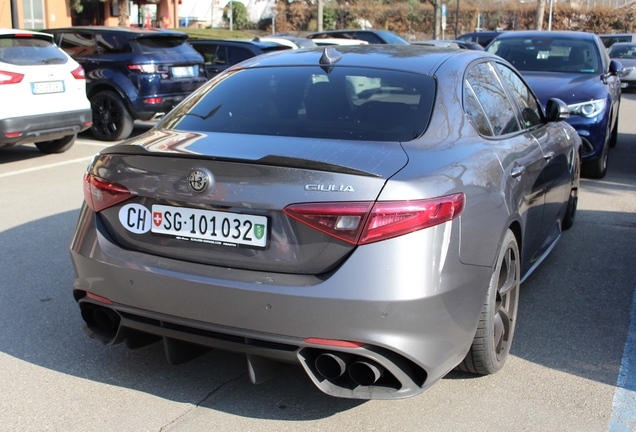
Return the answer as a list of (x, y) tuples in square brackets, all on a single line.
[(306, 101), (112, 44), (163, 45), (29, 51), (483, 89), (236, 55), (78, 44)]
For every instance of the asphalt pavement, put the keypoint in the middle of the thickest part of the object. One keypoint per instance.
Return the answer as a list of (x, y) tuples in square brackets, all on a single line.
[(569, 368)]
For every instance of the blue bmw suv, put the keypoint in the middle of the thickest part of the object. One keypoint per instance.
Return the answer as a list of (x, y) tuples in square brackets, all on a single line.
[(574, 67), (131, 73)]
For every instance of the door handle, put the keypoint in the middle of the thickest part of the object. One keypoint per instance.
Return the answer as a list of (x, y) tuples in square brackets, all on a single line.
[(549, 155), (517, 171)]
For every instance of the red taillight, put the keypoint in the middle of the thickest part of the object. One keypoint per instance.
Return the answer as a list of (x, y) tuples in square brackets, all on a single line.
[(10, 77), (101, 194), (79, 73), (154, 101), (144, 68), (365, 222), (334, 343)]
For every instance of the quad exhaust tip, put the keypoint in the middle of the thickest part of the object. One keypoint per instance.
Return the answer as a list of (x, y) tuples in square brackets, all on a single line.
[(363, 372)]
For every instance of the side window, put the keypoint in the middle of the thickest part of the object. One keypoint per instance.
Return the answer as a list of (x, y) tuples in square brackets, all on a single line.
[(237, 55), (112, 44), (487, 88), (78, 44), (521, 95), (475, 112), (369, 37), (209, 53)]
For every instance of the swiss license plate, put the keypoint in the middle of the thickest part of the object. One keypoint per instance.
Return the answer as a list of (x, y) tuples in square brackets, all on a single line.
[(47, 87), (183, 71), (212, 227)]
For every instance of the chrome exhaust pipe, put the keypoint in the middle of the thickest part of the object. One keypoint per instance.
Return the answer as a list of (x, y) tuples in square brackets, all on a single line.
[(365, 372), (332, 365)]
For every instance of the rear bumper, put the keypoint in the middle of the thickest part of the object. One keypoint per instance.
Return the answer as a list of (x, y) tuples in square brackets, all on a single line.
[(414, 320), (44, 127)]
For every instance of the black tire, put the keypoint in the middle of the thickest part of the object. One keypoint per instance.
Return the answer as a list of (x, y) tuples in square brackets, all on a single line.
[(496, 326), (573, 201), (111, 119), (598, 168), (56, 146), (614, 136)]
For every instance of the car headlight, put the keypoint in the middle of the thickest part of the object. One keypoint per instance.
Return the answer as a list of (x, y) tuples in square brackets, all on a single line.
[(588, 109)]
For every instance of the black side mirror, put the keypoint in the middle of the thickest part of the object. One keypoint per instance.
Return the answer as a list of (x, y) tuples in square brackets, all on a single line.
[(556, 110)]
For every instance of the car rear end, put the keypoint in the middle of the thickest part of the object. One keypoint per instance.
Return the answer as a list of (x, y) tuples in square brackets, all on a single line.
[(251, 220), (43, 89), (163, 70)]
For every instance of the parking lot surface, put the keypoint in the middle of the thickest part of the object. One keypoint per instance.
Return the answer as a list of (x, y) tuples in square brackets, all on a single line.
[(568, 369)]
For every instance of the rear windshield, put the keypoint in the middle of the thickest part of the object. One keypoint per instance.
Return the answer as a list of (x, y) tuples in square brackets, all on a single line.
[(163, 45), (623, 52), (547, 54), (307, 101), (29, 51)]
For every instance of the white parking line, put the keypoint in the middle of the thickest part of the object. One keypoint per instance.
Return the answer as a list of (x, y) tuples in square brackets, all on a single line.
[(53, 165), (92, 143)]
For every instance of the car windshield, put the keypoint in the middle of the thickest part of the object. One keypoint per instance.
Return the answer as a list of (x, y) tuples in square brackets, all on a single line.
[(312, 102), (623, 52), (549, 54), (29, 51), (163, 45), (392, 38)]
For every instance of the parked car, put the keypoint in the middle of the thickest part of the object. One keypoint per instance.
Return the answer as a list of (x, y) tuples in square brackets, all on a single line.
[(376, 238), (574, 67), (43, 93), (131, 73), (292, 42), (338, 41), (447, 43), (625, 53), (482, 38), (219, 55), (371, 36), (612, 38)]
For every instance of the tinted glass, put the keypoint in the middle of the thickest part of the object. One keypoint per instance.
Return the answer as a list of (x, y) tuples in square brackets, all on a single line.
[(623, 52), (369, 37), (346, 103), (29, 51), (236, 55), (475, 112), (521, 95), (211, 53), (112, 44), (486, 86), (78, 44), (549, 54), (163, 45)]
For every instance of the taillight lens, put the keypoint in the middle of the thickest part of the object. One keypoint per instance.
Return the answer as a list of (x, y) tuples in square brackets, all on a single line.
[(365, 222), (101, 194), (144, 68), (10, 77), (79, 73)]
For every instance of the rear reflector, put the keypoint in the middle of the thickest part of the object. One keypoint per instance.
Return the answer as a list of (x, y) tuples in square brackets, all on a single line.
[(98, 298), (10, 77), (365, 222), (153, 101), (334, 343), (101, 194), (13, 134)]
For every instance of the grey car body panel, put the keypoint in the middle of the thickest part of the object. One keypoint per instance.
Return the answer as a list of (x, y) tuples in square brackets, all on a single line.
[(412, 301)]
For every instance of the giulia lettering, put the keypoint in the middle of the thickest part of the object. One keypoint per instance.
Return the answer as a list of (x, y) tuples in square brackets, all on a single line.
[(328, 188)]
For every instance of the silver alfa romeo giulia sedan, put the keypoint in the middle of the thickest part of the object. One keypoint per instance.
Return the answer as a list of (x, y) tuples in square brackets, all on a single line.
[(366, 212)]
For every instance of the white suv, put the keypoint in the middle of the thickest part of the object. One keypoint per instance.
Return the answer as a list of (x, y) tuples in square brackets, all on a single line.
[(43, 93)]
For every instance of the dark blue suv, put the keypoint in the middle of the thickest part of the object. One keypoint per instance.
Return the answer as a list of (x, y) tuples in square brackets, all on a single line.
[(574, 67), (131, 73)]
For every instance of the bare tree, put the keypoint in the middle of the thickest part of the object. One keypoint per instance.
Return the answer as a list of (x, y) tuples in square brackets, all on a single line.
[(538, 24), (437, 14), (122, 6)]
